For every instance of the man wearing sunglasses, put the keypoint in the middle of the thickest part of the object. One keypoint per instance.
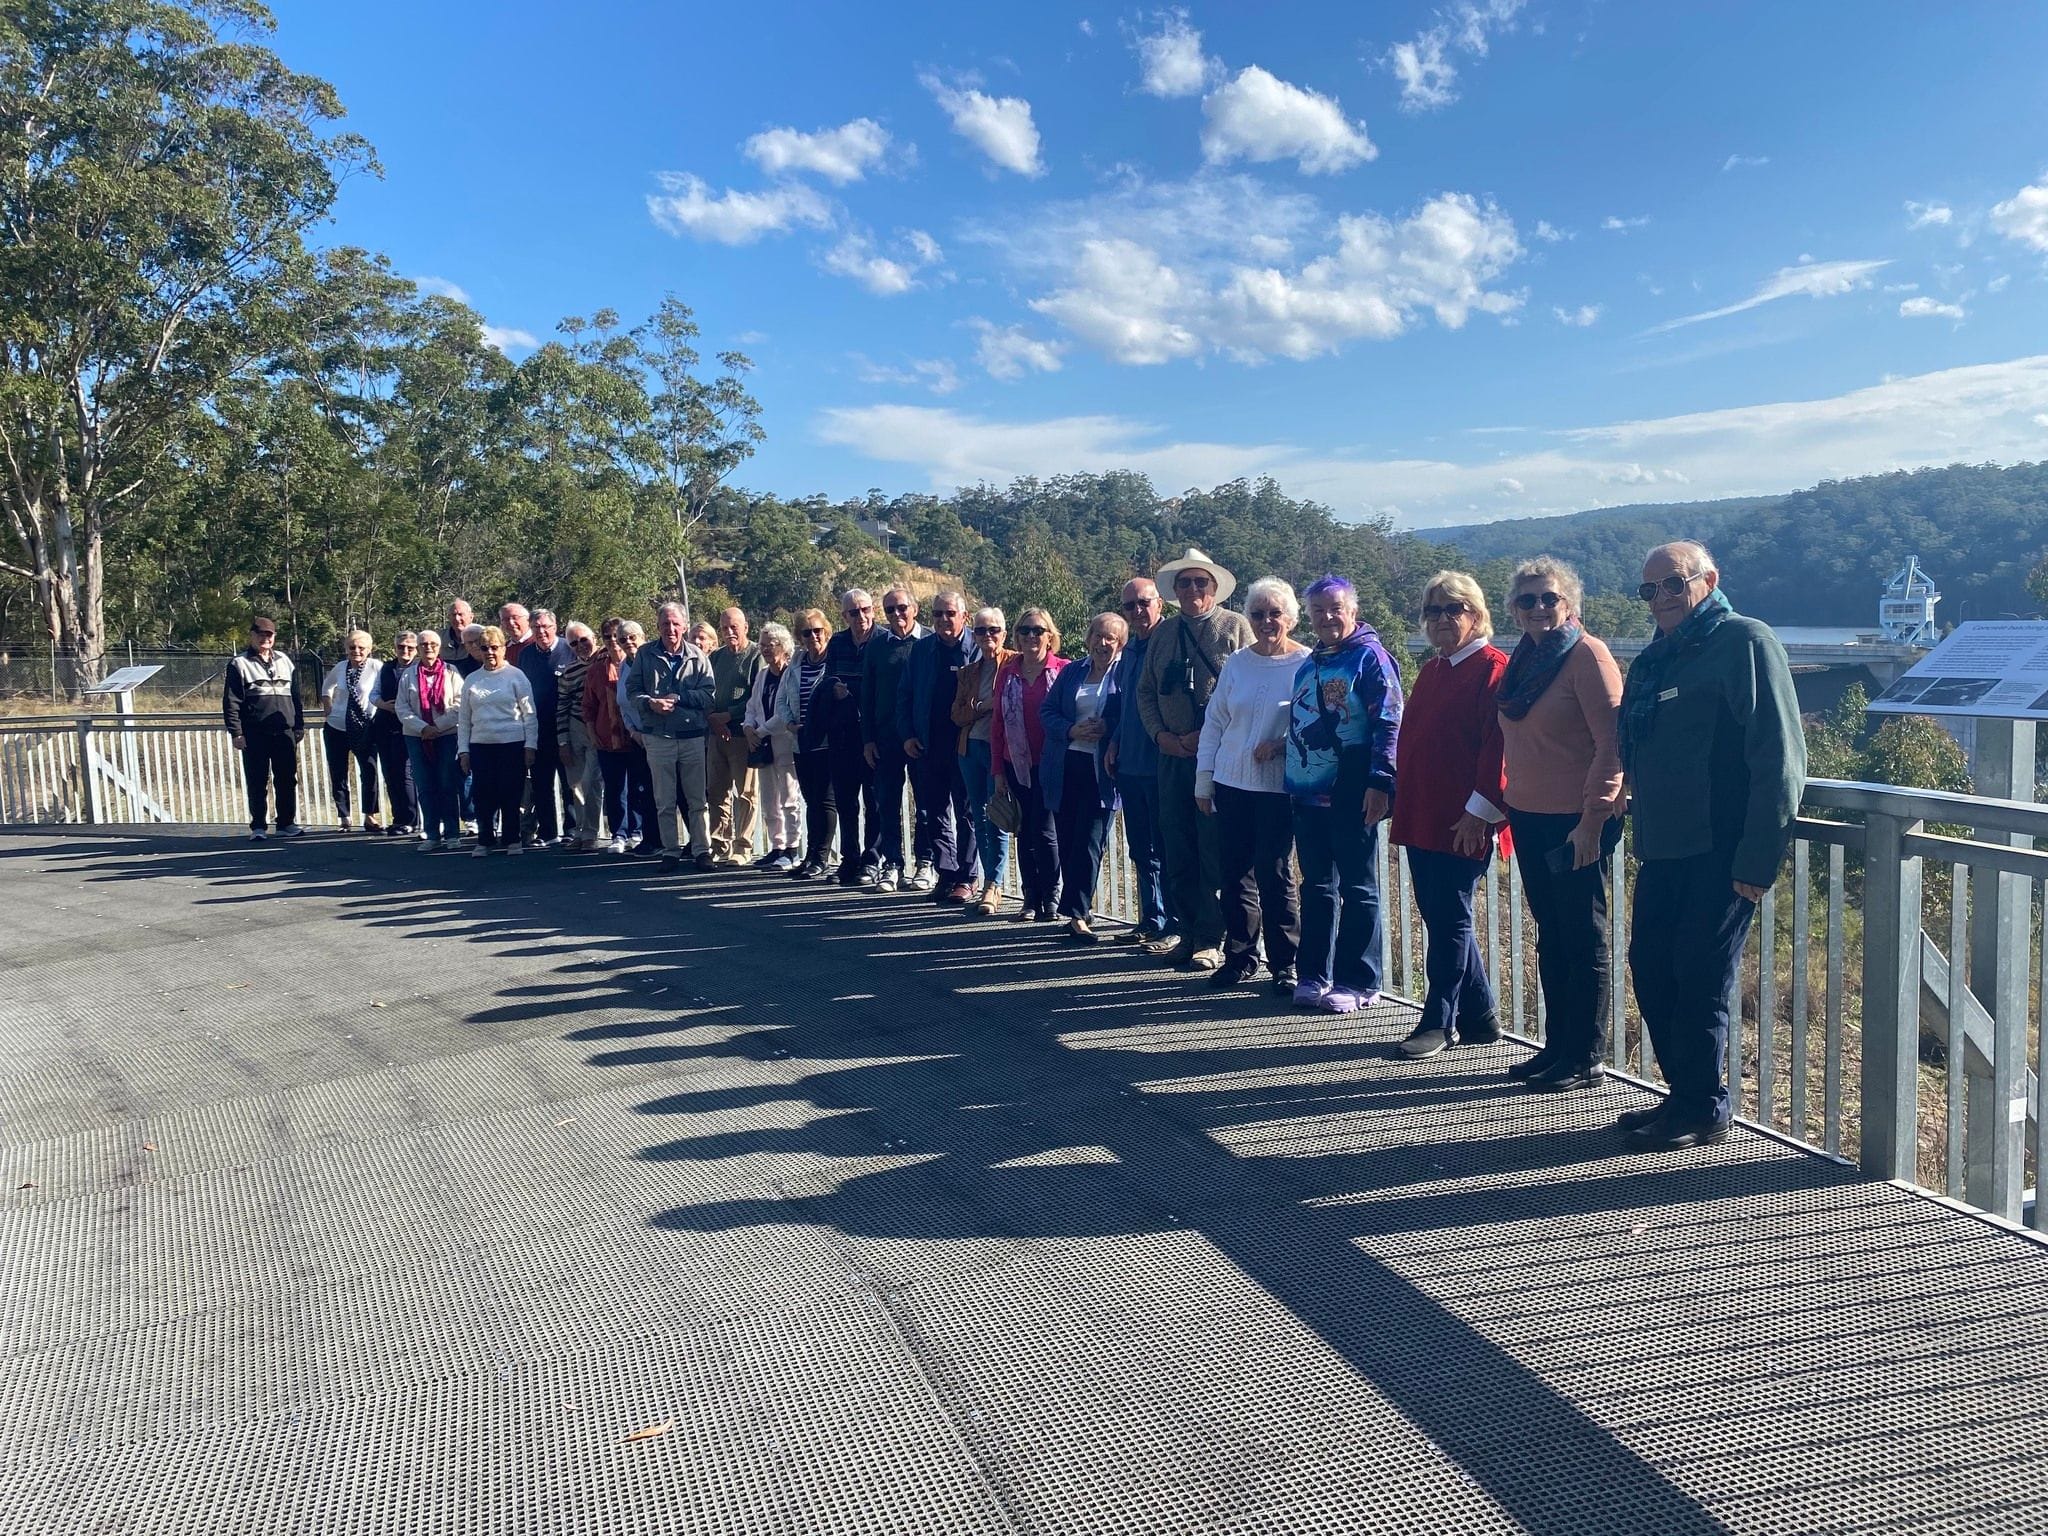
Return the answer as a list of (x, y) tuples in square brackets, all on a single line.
[(1182, 662), (929, 737), (264, 714), (880, 678), (1715, 764), (1132, 760)]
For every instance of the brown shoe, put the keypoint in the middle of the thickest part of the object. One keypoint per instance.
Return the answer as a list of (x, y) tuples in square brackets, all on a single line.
[(991, 901)]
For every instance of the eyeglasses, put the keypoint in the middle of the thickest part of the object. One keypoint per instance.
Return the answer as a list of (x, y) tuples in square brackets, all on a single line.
[(1527, 601), (1139, 602), (1431, 612), (1030, 629), (988, 629), (1193, 579), (810, 633), (1265, 615), (945, 613), (490, 647), (895, 607), (847, 613), (1670, 586)]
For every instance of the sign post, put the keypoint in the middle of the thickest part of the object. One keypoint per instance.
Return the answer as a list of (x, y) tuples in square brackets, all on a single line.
[(122, 685)]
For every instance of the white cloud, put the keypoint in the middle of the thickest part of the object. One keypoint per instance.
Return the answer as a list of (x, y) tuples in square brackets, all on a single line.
[(1259, 117), (1511, 485), (999, 126), (1993, 412), (1547, 231), (1424, 64), (843, 154), (506, 337), (1997, 284), (1585, 314), (936, 374), (1900, 288), (1009, 352), (686, 206), (1921, 215), (441, 286), (1171, 61), (1123, 298), (2024, 216), (1814, 280), (1087, 27), (1620, 225), (855, 256), (1734, 162), (1924, 308)]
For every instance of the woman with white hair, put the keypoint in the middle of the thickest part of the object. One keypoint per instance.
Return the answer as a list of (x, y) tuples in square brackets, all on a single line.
[(1450, 801), (1241, 780), (771, 748), (350, 694)]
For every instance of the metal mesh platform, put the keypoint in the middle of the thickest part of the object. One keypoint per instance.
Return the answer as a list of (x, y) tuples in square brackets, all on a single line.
[(357, 1191)]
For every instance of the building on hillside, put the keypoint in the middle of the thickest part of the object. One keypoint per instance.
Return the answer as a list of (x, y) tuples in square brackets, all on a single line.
[(1905, 609)]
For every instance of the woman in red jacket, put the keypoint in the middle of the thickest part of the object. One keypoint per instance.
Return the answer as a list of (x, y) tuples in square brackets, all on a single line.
[(1017, 742), (1450, 801)]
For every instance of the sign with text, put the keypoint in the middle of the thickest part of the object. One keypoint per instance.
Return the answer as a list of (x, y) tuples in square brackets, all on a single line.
[(1996, 669)]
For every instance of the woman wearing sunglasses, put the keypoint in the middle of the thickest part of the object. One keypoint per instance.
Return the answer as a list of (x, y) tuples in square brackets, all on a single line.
[(1449, 802), (974, 709), (1558, 703), (1017, 742)]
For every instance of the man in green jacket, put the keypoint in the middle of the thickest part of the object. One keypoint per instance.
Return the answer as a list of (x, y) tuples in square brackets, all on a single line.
[(728, 776), (1716, 763)]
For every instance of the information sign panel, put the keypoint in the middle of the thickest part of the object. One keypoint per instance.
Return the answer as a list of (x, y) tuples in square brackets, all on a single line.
[(1994, 669)]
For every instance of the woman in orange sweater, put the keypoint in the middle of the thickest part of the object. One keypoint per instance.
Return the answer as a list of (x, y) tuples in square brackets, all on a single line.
[(1558, 706)]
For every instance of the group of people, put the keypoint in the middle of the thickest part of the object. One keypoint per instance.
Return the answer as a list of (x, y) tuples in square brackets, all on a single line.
[(1255, 773)]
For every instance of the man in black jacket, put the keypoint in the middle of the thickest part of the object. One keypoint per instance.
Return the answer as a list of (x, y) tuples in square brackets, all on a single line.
[(882, 667), (265, 716)]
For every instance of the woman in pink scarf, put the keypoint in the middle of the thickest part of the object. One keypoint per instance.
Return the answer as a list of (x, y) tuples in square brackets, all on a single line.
[(1017, 739), (428, 693)]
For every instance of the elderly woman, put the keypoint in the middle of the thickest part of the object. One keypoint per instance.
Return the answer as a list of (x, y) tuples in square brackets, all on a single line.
[(771, 748), (974, 708), (350, 694), (1449, 801), (1558, 702), (1017, 743), (497, 738), (1241, 780), (1341, 739), (808, 715), (429, 694), (1082, 796), (605, 726), (387, 733)]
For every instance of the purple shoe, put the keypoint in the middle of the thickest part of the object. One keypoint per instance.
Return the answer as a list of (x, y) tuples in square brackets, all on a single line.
[(1309, 994), (1339, 1000)]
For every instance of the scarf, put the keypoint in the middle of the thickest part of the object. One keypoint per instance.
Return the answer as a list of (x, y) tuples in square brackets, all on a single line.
[(433, 689), (1639, 696), (1534, 667), (358, 716), (1016, 743)]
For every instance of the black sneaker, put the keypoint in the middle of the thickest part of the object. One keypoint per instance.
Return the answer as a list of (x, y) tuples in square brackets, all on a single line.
[(1283, 981), (1484, 1030), (1567, 1076), (671, 861), (1235, 971), (1668, 1135), (1635, 1119), (1542, 1059)]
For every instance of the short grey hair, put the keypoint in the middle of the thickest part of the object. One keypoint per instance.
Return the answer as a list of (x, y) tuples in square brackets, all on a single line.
[(632, 627), (1559, 573), (676, 608), (990, 615), (545, 613), (404, 635), (951, 595), (577, 627), (856, 595), (1690, 553), (778, 634), (511, 608), (1273, 589), (472, 632)]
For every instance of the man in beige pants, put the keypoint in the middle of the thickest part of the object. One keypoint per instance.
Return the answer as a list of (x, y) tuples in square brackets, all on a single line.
[(728, 778)]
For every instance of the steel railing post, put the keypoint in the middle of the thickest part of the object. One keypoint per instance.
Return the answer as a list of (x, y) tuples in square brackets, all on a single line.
[(1891, 998)]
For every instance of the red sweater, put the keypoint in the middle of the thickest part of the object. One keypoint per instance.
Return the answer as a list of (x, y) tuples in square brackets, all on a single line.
[(1449, 747)]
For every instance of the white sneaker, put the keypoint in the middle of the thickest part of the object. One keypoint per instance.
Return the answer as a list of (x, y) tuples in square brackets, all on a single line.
[(926, 878), (889, 878), (617, 845), (479, 852), (1425, 1043), (294, 830)]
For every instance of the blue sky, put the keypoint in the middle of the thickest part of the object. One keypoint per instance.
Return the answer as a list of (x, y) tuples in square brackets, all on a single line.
[(1449, 262)]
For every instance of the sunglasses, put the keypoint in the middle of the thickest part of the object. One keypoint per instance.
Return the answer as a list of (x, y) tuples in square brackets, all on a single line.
[(1431, 612), (848, 613), (808, 633), (1193, 581), (1527, 601), (1139, 602), (1670, 586), (1030, 629), (895, 607), (1265, 615), (988, 629), (264, 634)]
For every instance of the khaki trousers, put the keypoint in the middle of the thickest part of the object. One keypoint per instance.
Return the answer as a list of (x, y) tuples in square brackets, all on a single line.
[(729, 786), (668, 760)]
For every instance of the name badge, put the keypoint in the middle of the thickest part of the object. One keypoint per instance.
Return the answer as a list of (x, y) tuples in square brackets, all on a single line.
[(1668, 693)]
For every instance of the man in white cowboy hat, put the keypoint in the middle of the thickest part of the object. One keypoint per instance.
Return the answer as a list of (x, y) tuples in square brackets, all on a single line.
[(1182, 660)]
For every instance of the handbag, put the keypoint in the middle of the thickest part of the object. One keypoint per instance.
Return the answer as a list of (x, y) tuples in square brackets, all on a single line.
[(1004, 813), (761, 754)]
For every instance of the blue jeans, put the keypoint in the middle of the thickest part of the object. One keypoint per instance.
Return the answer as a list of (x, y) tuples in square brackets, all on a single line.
[(1340, 898), (439, 782), (1140, 793), (990, 841), (620, 814), (1684, 946), (1458, 985)]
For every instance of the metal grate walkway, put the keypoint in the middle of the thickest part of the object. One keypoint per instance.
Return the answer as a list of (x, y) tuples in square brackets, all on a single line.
[(356, 1191)]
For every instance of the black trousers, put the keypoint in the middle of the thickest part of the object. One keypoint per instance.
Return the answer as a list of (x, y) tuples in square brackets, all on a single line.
[(814, 778), (396, 764), (1571, 934), (853, 793), (342, 746), (498, 769), (1255, 848), (1082, 823), (1190, 855), (1687, 938), (640, 797), (543, 781), (940, 780), (1038, 847), (272, 754)]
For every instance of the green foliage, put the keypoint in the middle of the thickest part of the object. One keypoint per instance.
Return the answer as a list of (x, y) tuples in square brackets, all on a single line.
[(1908, 751)]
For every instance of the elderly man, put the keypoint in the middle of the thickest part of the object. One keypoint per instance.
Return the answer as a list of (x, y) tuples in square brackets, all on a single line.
[(930, 739), (1715, 764), (671, 688), (454, 646), (881, 675), (542, 659), (518, 626), (1132, 759), (729, 778), (265, 716), (639, 778), (1182, 661), (853, 775), (389, 737)]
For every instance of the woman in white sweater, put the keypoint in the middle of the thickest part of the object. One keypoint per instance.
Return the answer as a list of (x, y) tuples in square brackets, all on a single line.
[(496, 735), (1240, 779), (350, 694)]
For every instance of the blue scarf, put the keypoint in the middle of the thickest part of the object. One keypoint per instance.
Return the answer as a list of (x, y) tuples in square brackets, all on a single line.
[(1534, 667), (1639, 696)]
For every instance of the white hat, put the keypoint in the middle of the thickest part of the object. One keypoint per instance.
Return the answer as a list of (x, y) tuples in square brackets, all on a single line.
[(1194, 559)]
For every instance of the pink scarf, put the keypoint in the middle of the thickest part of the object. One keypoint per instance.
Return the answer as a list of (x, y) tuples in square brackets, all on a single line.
[(433, 689)]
